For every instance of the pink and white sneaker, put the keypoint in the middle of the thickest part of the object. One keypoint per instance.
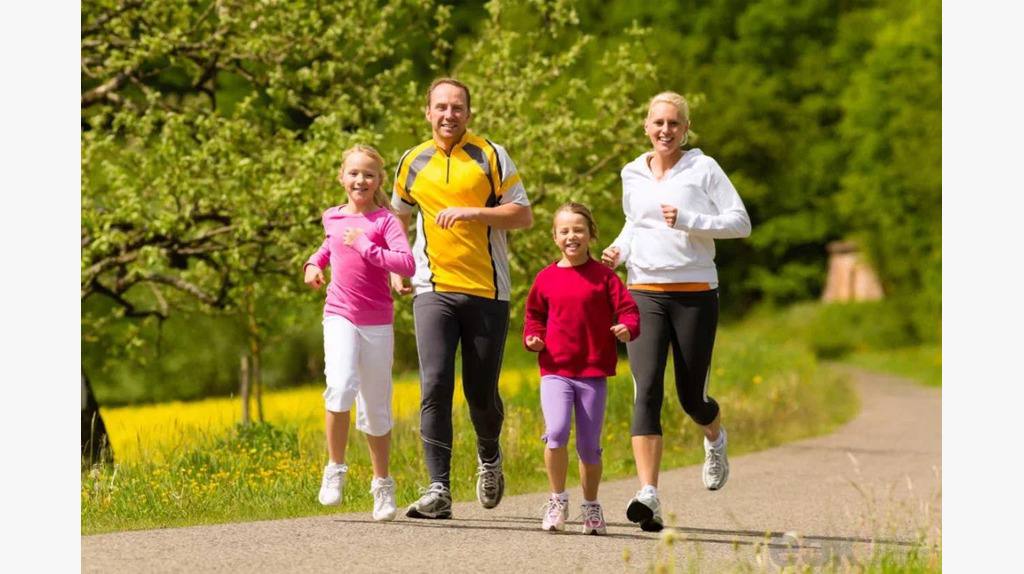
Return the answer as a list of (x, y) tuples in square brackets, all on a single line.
[(593, 519), (556, 512)]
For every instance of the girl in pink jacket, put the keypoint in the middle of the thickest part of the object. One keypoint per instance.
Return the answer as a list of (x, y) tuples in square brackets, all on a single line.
[(364, 243)]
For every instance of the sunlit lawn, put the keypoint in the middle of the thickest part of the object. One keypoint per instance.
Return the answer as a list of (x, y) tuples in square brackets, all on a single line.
[(188, 463)]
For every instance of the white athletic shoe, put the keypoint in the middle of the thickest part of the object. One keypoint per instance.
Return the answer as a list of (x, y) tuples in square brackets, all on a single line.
[(593, 519), (383, 491), (556, 513), (333, 483), (645, 510), (716, 464)]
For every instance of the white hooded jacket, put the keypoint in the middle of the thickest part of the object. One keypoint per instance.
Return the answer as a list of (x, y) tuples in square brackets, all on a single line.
[(709, 208)]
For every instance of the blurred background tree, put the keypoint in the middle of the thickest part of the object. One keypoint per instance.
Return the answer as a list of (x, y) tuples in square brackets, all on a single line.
[(211, 134)]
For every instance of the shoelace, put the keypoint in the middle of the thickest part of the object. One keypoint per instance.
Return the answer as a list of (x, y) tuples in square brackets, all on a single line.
[(554, 507), (489, 476), (592, 513), (436, 490), (714, 461), (333, 478), (381, 490)]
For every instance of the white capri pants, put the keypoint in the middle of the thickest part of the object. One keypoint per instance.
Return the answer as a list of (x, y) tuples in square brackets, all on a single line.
[(357, 363)]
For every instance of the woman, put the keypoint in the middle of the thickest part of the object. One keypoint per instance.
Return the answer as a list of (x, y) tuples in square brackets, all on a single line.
[(676, 204)]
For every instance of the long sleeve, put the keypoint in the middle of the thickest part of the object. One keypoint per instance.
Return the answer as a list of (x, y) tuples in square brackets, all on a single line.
[(321, 257), (732, 220), (396, 257), (625, 238), (535, 322), (626, 311)]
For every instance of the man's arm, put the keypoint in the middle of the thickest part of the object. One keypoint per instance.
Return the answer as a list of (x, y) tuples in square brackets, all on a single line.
[(508, 216)]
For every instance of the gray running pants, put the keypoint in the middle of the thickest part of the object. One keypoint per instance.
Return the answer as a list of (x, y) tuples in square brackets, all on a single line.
[(443, 321)]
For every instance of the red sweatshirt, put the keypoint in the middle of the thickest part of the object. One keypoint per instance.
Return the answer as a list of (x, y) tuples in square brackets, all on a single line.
[(572, 309)]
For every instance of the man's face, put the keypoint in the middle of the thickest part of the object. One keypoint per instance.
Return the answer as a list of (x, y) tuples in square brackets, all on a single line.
[(448, 114)]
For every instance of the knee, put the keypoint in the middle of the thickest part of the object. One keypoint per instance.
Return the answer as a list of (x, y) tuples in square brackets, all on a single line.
[(339, 400), (702, 413), (374, 424), (556, 436), (589, 449), (646, 421)]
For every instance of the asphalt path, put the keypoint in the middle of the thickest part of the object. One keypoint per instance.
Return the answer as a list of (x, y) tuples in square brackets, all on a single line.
[(873, 484)]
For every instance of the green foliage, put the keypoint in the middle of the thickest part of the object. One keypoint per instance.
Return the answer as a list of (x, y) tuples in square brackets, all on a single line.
[(878, 336), (893, 185), (211, 133)]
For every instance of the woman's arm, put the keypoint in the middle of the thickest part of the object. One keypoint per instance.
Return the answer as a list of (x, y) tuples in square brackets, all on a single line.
[(624, 240), (732, 221)]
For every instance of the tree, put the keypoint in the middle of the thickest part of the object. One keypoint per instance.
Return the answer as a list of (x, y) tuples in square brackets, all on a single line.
[(892, 188), (211, 133)]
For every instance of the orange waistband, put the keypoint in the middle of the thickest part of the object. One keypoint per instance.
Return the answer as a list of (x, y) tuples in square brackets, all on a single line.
[(671, 287)]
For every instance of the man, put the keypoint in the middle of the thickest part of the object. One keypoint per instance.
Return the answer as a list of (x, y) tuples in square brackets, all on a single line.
[(468, 193)]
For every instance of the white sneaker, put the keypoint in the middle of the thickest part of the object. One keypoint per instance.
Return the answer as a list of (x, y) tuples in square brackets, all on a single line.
[(333, 483), (556, 512), (383, 491), (593, 519), (716, 464), (645, 510)]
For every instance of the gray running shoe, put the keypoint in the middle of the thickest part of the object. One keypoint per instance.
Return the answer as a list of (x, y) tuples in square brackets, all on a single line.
[(716, 464), (645, 510), (490, 482), (436, 502)]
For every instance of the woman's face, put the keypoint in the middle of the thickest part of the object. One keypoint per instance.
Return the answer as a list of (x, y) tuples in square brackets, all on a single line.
[(665, 128)]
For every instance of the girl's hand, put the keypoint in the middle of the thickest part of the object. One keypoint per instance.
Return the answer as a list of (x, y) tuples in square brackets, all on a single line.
[(314, 276), (351, 234), (610, 257), (621, 332), (398, 284), (670, 214), (534, 343)]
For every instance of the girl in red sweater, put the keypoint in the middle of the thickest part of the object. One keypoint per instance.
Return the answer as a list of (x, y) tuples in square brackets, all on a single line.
[(575, 311)]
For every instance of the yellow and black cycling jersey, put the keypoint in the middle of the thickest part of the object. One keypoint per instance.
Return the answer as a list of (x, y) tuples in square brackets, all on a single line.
[(469, 257)]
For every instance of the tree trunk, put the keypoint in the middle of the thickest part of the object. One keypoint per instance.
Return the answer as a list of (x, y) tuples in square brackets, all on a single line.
[(254, 352), (257, 379), (95, 441), (243, 389)]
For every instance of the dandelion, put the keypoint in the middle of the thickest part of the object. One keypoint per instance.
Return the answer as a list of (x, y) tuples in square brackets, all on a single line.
[(669, 536), (757, 380)]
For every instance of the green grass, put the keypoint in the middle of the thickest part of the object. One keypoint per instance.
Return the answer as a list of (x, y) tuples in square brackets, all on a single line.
[(871, 335), (771, 391), (922, 363)]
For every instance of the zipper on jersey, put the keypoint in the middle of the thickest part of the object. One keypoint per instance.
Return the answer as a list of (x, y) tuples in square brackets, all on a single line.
[(448, 168)]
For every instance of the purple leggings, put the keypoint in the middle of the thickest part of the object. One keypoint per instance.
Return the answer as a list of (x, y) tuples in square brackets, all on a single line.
[(558, 396)]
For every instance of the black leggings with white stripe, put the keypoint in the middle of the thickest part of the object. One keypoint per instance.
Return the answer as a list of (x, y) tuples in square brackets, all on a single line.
[(687, 321)]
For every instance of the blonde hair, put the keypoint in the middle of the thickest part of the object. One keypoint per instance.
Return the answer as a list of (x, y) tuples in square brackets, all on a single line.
[(681, 105), (380, 198), (578, 209)]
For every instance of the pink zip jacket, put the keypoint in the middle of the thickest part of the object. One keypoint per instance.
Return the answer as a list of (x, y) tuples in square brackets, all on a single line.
[(360, 290)]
